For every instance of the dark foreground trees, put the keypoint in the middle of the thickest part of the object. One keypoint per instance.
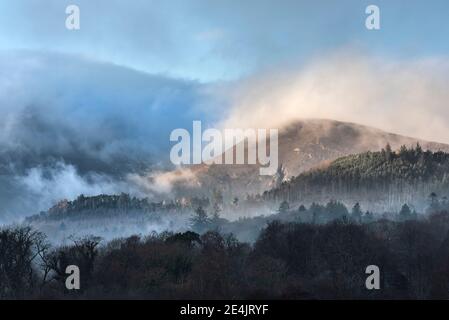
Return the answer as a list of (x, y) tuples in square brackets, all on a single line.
[(288, 261), (20, 249)]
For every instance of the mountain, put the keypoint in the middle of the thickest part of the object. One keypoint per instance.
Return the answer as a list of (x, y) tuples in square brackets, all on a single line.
[(304, 145)]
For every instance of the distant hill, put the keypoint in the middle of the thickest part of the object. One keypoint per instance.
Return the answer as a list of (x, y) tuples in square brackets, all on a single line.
[(104, 206), (381, 180)]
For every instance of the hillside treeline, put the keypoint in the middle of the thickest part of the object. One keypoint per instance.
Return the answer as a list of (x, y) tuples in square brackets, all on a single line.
[(114, 205), (382, 180)]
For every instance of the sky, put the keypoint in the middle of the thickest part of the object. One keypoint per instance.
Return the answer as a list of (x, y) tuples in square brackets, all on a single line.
[(222, 40), (90, 110)]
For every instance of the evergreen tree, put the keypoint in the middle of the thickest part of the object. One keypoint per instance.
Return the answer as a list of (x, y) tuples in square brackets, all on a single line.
[(434, 203), (218, 196), (279, 176), (336, 210), (405, 213), (388, 152), (200, 220), (300, 213), (403, 151), (317, 211), (284, 207), (216, 212), (357, 213), (368, 217), (418, 149), (433, 197)]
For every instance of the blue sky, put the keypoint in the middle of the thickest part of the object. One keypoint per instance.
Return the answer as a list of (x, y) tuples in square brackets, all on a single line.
[(221, 40)]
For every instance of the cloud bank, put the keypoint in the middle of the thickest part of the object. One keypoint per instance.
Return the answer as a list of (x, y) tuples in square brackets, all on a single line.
[(71, 125), (45, 185)]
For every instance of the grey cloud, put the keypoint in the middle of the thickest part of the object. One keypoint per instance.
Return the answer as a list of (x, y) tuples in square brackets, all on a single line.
[(97, 119)]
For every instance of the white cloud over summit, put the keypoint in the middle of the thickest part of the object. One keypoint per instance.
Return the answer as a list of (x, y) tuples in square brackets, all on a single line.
[(409, 97)]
